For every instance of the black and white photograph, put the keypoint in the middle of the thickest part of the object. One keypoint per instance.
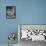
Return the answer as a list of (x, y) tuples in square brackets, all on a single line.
[(10, 12)]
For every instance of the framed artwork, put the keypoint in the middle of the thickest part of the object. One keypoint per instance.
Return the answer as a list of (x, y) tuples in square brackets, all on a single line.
[(10, 12), (32, 32)]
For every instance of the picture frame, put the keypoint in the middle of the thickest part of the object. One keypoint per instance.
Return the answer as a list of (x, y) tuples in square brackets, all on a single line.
[(10, 12)]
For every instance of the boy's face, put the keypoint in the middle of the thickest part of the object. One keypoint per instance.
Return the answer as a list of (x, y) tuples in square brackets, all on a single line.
[(10, 12)]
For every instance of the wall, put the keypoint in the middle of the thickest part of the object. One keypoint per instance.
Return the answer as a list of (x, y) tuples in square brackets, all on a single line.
[(27, 12), (31, 11)]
